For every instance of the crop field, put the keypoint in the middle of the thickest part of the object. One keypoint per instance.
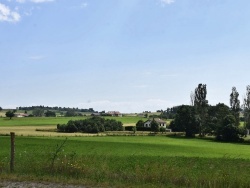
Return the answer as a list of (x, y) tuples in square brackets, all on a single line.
[(44, 121), (119, 161), (128, 161)]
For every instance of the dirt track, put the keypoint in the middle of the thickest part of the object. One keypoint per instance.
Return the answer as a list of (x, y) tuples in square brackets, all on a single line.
[(12, 184)]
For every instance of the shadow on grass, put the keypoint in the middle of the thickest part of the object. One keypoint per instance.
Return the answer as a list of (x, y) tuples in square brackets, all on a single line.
[(206, 138)]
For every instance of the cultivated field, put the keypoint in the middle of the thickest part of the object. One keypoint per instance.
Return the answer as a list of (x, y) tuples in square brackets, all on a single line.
[(121, 161)]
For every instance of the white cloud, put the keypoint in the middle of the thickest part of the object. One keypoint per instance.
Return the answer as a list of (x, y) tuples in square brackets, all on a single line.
[(34, 1), (141, 86), (41, 1), (167, 2), (7, 15), (127, 107), (36, 57), (21, 1), (84, 5)]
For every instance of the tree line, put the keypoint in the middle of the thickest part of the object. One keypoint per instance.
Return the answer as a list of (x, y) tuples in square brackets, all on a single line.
[(91, 110), (91, 125), (221, 121)]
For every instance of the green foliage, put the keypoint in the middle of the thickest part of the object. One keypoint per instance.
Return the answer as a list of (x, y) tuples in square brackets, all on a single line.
[(10, 114), (38, 112), (140, 123), (228, 131), (70, 113), (235, 105), (162, 129), (50, 114), (186, 121), (201, 104), (246, 108), (154, 126), (91, 125), (216, 115)]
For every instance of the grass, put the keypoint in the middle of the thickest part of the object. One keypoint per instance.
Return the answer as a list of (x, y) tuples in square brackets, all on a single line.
[(129, 161), (42, 121)]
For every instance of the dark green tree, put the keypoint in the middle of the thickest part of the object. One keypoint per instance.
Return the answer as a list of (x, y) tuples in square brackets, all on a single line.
[(235, 105), (50, 114), (186, 121), (201, 104), (10, 114), (229, 131), (38, 112), (70, 113), (154, 126), (1, 108), (215, 117), (140, 124), (246, 108)]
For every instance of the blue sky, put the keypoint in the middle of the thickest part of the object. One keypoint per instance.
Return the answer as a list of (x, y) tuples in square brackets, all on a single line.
[(125, 55)]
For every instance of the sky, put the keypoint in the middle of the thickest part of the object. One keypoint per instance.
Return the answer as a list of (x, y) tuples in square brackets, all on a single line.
[(122, 55)]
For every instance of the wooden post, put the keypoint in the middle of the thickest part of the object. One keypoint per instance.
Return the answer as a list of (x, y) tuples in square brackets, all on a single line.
[(12, 151)]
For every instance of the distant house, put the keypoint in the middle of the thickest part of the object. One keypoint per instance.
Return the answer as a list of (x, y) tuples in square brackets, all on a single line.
[(95, 114), (21, 115), (161, 123), (114, 113)]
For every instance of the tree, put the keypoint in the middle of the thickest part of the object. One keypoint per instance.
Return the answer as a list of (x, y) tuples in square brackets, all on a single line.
[(1, 108), (10, 114), (216, 115), (38, 112), (186, 121), (235, 105), (154, 126), (200, 103), (50, 114), (192, 98), (140, 124), (70, 113), (246, 108), (229, 131)]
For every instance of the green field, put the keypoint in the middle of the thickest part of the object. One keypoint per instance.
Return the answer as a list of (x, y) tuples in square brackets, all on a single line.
[(38, 121), (121, 161), (132, 161)]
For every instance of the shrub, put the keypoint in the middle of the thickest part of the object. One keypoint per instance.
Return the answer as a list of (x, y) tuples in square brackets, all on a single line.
[(91, 125)]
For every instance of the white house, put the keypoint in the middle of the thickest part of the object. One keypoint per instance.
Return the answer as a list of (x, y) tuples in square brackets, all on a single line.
[(158, 120)]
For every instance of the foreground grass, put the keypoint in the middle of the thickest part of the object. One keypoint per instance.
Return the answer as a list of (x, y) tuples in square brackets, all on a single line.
[(129, 161)]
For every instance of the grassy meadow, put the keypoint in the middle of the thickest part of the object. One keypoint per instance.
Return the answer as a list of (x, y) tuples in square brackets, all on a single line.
[(121, 161), (46, 121), (128, 161)]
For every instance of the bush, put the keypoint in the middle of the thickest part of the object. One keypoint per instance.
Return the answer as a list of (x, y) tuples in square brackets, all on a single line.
[(91, 125), (228, 130)]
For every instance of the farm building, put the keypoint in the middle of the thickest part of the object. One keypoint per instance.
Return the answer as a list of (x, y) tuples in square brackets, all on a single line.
[(21, 115), (158, 120), (114, 113)]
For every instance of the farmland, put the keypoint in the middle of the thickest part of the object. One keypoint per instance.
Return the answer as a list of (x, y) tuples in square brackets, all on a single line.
[(122, 161), (45, 121)]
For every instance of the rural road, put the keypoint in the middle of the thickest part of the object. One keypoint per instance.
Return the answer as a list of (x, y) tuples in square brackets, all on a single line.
[(24, 184)]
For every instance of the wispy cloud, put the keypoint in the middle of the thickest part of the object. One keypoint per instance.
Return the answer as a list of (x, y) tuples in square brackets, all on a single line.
[(34, 1), (167, 2), (141, 86), (37, 58), (8, 15), (126, 107), (84, 5)]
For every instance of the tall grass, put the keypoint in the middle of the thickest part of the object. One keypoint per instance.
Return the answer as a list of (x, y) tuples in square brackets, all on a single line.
[(127, 162)]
